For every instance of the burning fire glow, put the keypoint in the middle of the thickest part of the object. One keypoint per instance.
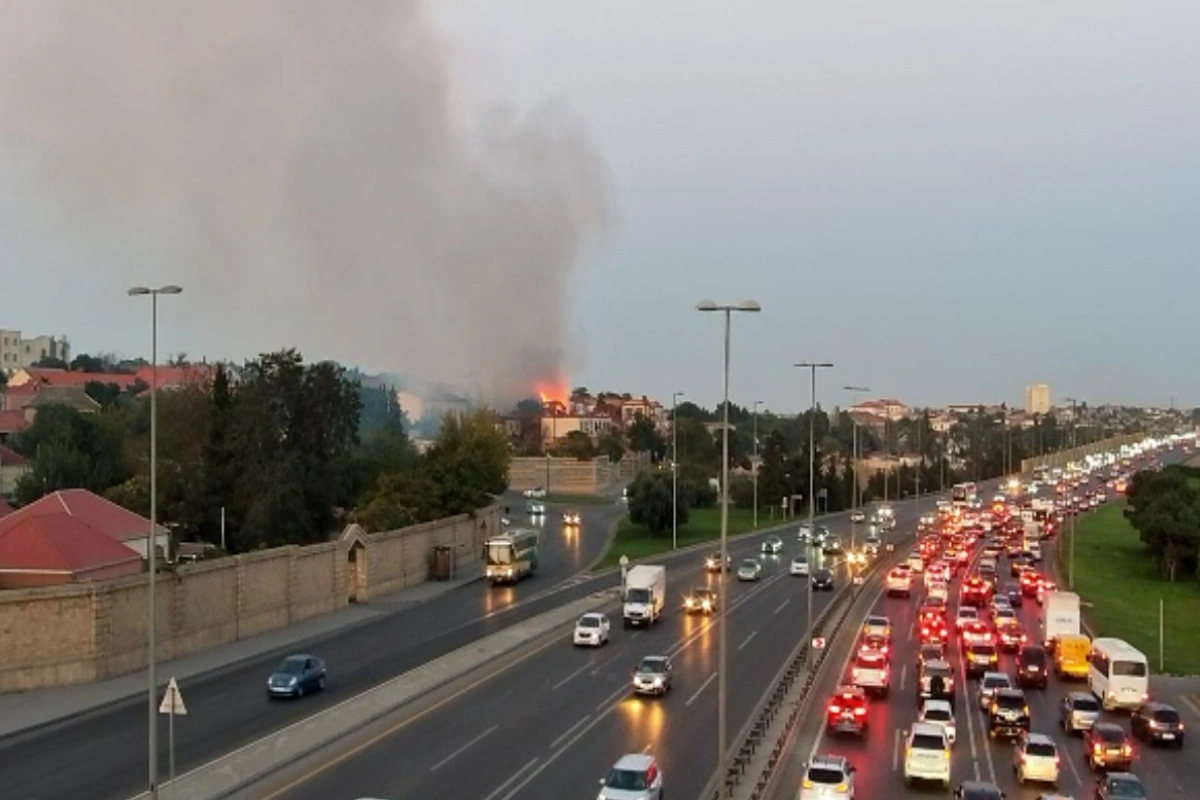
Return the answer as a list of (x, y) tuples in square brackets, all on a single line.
[(553, 390)]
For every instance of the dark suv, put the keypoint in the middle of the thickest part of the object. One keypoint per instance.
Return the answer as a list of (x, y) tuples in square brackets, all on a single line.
[(1107, 748), (1008, 714), (1032, 667), (1158, 723), (981, 658)]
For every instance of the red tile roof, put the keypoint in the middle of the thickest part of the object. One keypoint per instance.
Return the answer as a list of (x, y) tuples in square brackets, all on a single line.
[(178, 376), (107, 517), (59, 545), (62, 377), (11, 458), (12, 421)]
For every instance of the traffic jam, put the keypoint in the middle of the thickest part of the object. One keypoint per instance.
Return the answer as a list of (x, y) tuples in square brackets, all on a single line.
[(972, 624)]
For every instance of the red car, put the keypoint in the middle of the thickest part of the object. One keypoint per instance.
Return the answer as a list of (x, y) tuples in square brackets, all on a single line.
[(976, 592), (934, 631), (848, 711)]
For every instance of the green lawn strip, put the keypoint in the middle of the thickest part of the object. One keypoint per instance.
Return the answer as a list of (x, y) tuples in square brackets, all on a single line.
[(579, 499), (704, 525), (1121, 585)]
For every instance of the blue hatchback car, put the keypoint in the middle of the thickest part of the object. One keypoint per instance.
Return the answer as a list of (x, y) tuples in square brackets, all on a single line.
[(297, 676)]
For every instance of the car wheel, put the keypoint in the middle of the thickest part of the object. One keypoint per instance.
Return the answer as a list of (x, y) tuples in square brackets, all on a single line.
[(321, 684), (299, 691)]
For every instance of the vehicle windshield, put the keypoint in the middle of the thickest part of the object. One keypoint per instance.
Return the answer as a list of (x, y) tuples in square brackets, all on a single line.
[(983, 650), (800, 560), (638, 596), (1085, 703), (826, 775), (938, 714), (749, 563), (1009, 701), (1127, 789), (968, 613), (1167, 715), (1110, 734), (589, 622), (500, 553), (1129, 669), (627, 780), (653, 665), (1044, 749), (996, 682), (704, 594), (868, 660), (291, 666), (937, 671), (928, 741), (1034, 657)]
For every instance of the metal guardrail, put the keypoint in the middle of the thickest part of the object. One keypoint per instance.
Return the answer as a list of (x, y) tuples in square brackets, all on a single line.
[(752, 736)]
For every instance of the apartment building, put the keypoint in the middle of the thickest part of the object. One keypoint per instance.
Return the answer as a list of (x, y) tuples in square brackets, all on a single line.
[(18, 352), (1037, 398)]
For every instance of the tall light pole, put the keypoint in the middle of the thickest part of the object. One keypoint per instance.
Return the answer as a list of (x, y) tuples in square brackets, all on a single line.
[(920, 452), (754, 463), (1074, 404), (152, 538), (727, 309), (812, 366), (855, 391), (675, 469)]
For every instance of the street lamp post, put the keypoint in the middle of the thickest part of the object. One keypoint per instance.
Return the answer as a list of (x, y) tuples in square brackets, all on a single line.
[(675, 469), (152, 538), (727, 309), (855, 391), (812, 366), (754, 464)]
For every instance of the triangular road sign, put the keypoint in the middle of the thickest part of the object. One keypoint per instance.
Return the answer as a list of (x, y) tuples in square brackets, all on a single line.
[(172, 702)]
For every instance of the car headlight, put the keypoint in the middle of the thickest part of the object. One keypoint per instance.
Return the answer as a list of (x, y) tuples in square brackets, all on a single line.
[(658, 681)]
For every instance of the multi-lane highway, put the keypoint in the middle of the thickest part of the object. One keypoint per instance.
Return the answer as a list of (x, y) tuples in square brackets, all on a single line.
[(879, 757), (102, 754), (553, 726)]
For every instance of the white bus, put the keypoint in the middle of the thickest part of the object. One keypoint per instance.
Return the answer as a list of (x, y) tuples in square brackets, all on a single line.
[(1118, 674), (963, 494), (512, 555)]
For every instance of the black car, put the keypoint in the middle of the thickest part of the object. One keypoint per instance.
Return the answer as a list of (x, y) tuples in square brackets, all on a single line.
[(1032, 667), (978, 790), (1106, 747), (1158, 723), (822, 581), (1008, 715), (981, 658), (831, 546), (1120, 786), (1013, 592)]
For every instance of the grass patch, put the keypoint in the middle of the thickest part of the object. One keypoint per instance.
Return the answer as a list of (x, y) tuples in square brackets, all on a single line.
[(1123, 585), (703, 525), (579, 499)]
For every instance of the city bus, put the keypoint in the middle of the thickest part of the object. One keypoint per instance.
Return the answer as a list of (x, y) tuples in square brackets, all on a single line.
[(963, 494), (1118, 674), (512, 555)]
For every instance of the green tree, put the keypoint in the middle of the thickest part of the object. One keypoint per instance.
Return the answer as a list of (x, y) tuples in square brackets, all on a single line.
[(106, 394), (644, 437), (86, 363), (610, 445), (578, 445), (697, 448), (71, 450), (468, 463), (1164, 507), (50, 362), (650, 502), (398, 500)]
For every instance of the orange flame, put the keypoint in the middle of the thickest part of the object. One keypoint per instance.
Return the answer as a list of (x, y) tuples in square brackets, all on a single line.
[(553, 390)]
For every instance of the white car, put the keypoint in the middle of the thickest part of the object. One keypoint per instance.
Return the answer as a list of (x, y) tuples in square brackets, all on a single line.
[(827, 777), (966, 615), (750, 570), (1036, 759), (916, 563), (571, 519), (991, 683), (857, 516), (635, 776), (939, 712), (799, 566), (535, 509), (927, 756), (772, 545), (870, 672), (939, 589), (592, 630), (899, 582), (536, 492)]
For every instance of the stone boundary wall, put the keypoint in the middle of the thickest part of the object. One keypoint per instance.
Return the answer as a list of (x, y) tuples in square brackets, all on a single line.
[(566, 475), (93, 631)]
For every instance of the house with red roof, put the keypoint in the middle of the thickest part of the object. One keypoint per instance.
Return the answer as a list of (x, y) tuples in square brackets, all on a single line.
[(117, 523), (10, 422), (51, 549), (13, 465)]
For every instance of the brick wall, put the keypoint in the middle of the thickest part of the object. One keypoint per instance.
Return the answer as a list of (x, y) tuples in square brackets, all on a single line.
[(92, 631)]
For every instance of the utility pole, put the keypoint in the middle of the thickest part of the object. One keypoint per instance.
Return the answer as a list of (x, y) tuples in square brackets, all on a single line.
[(855, 494), (812, 366), (754, 463), (920, 452), (675, 469)]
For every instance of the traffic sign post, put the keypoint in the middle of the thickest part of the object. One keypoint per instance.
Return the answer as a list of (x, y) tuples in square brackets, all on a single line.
[(624, 562), (818, 643), (172, 705)]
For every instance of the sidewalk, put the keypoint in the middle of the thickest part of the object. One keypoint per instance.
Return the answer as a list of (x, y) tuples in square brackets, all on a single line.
[(22, 711)]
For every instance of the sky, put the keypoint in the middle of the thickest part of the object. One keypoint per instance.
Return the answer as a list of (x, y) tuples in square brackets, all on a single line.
[(948, 200)]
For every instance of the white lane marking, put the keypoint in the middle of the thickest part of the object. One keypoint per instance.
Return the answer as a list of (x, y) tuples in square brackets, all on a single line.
[(1074, 770), (600, 667), (564, 681), (511, 778), (903, 675), (463, 749), (912, 629), (748, 638), (703, 686), (569, 731), (971, 710), (783, 605), (896, 750)]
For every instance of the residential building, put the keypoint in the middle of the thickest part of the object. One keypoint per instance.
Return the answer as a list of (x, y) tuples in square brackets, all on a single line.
[(47, 550), (21, 403), (17, 352), (10, 423), (13, 466), (879, 410), (167, 376), (433, 404), (119, 524), (555, 428), (1037, 399)]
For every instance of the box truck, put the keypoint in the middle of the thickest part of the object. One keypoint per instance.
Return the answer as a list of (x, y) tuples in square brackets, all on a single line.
[(1060, 617), (645, 594)]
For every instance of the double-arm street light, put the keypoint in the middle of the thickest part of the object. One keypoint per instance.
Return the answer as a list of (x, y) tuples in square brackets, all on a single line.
[(812, 366), (152, 538), (675, 468), (727, 309), (854, 391), (754, 462)]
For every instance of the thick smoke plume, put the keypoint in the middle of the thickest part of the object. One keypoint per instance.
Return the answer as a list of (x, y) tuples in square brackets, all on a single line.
[(301, 166)]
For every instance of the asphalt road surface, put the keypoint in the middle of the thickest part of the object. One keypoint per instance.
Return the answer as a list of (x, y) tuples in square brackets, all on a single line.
[(552, 726), (879, 757), (102, 754)]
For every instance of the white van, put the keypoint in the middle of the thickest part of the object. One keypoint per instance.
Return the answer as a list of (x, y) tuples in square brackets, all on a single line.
[(1118, 674), (927, 757)]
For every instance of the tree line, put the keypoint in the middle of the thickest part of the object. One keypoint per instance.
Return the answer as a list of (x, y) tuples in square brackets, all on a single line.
[(279, 451), (1164, 507)]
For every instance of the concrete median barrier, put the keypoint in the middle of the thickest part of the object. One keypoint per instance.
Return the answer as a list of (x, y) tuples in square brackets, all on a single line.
[(228, 774)]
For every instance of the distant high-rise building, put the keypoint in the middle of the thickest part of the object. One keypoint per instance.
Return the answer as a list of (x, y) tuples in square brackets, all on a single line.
[(1037, 398)]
